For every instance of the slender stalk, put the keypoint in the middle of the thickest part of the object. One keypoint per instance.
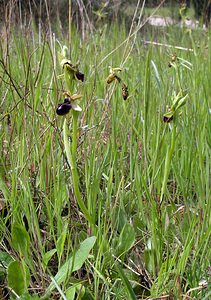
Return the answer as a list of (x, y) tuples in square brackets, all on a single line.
[(71, 156), (74, 137), (168, 162)]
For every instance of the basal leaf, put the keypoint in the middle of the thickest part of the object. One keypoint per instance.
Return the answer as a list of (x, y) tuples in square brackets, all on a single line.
[(18, 277), (74, 263), (126, 239), (20, 239)]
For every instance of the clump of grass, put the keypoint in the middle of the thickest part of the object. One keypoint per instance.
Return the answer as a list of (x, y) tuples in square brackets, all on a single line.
[(139, 204)]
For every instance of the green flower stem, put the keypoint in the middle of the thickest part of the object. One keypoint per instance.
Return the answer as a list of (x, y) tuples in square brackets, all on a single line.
[(71, 156), (168, 162), (74, 138)]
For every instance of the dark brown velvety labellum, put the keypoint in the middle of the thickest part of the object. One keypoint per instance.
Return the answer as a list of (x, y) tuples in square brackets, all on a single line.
[(79, 76), (167, 119), (63, 108), (125, 92)]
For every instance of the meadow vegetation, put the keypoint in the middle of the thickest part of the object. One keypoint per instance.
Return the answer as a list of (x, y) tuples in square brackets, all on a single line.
[(114, 202)]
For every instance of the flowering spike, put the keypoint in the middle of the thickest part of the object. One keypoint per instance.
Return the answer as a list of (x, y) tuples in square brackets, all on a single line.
[(113, 75), (70, 73), (178, 102)]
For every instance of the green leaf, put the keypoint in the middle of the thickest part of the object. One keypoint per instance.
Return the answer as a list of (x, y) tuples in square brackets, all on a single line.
[(75, 289), (127, 284), (18, 277), (74, 263), (61, 242), (150, 260), (47, 256), (126, 239), (20, 239), (122, 218), (5, 260), (70, 294), (80, 290)]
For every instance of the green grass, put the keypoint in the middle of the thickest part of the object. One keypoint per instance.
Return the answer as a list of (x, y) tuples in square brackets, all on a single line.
[(144, 248)]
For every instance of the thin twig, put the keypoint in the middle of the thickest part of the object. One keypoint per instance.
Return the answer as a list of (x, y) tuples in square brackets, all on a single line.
[(167, 45), (130, 36)]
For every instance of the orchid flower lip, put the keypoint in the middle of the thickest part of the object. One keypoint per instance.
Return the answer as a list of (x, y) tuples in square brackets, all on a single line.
[(79, 76), (63, 108), (167, 119)]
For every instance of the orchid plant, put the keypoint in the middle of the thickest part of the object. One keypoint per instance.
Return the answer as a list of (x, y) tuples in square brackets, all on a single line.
[(178, 100), (70, 75)]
